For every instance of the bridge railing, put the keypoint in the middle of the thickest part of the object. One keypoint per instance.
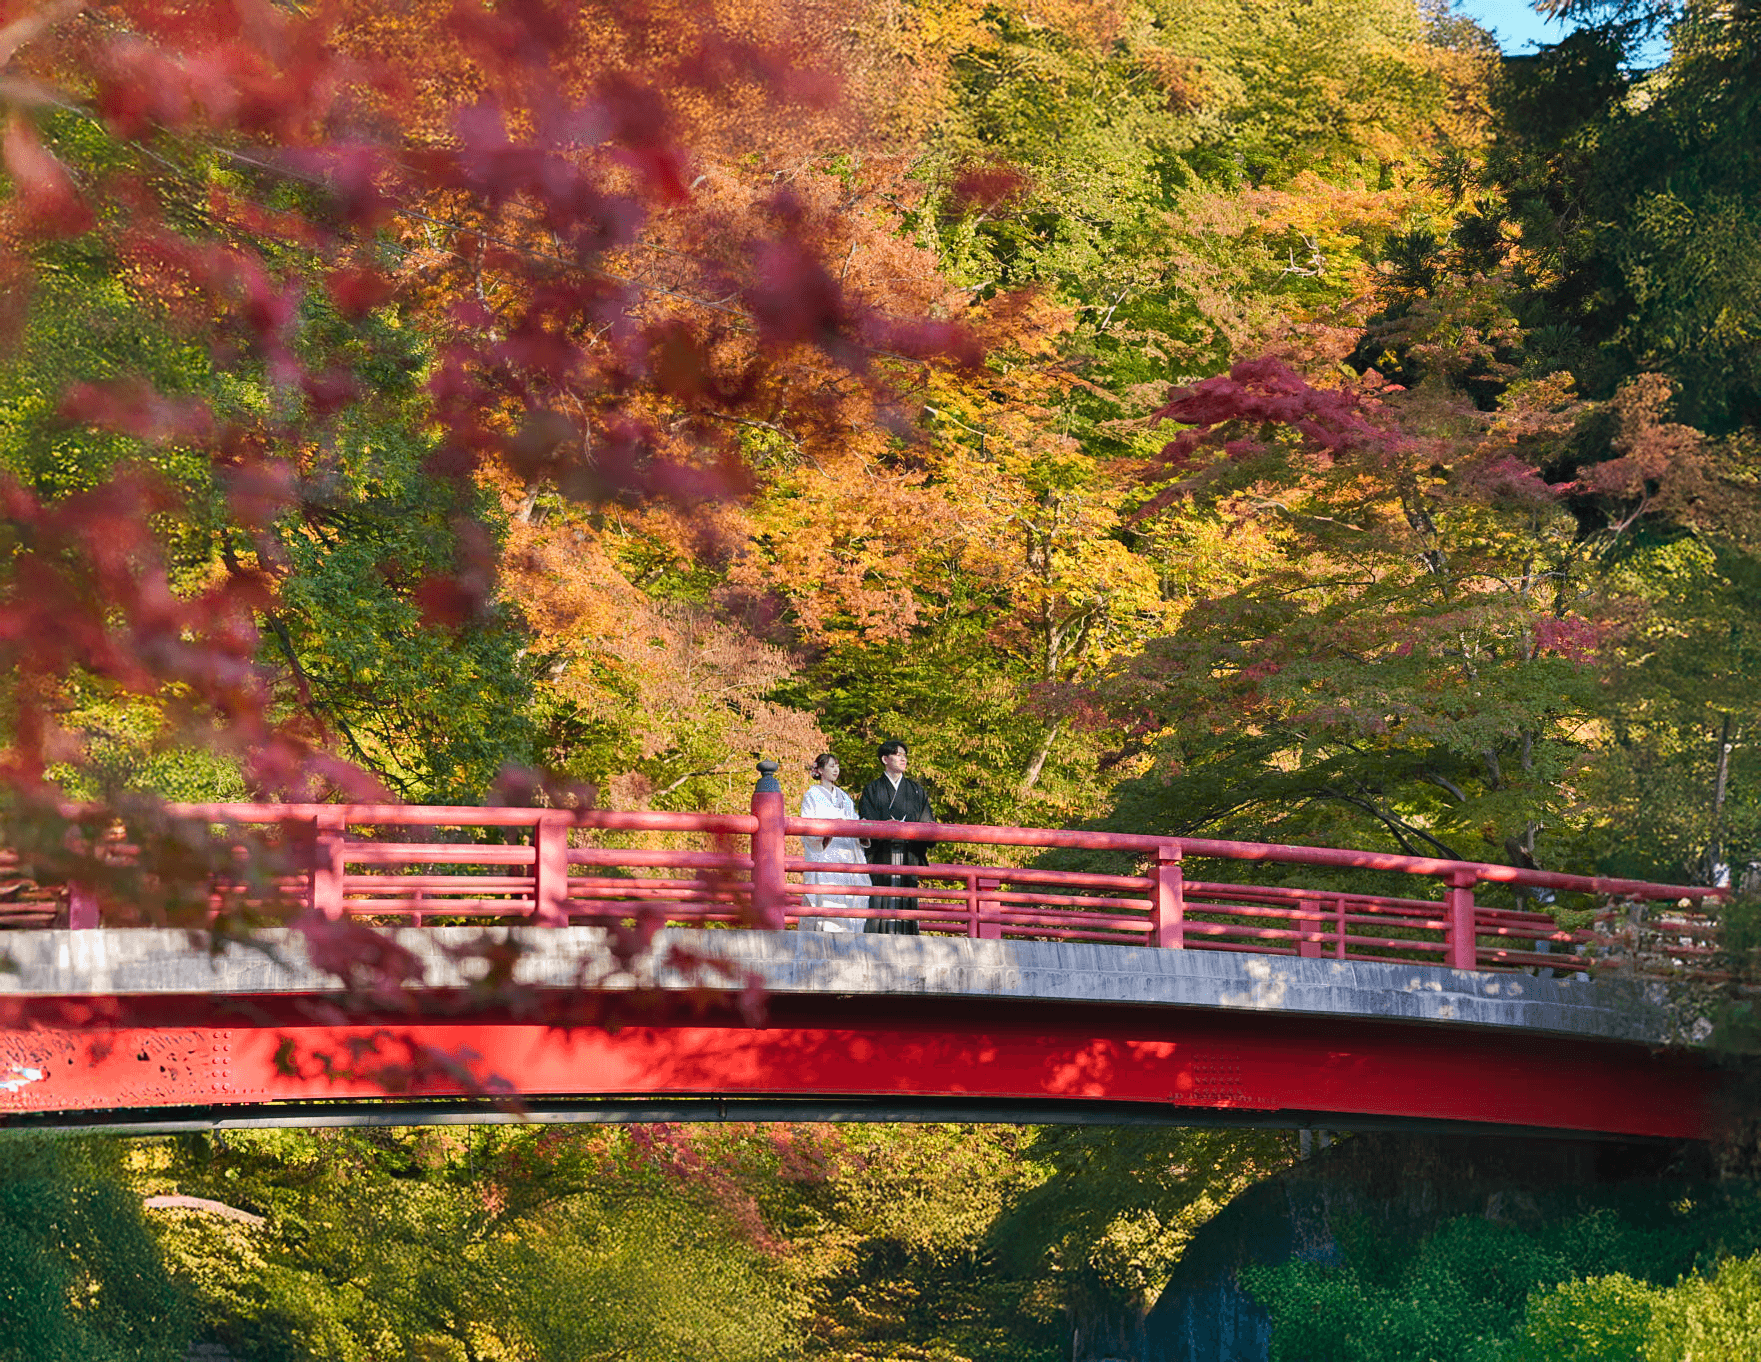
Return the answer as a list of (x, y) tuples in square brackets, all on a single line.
[(1162, 907), (413, 863)]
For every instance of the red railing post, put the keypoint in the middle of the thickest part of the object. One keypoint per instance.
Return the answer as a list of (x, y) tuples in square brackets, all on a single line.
[(1168, 913), (1308, 944), (770, 898), (324, 885), (1461, 951), (550, 870), (987, 931), (82, 906)]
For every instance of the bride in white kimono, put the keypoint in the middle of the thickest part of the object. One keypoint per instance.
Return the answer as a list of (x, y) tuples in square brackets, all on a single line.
[(825, 800)]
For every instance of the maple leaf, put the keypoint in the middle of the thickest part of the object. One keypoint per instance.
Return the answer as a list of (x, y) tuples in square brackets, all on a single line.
[(44, 201)]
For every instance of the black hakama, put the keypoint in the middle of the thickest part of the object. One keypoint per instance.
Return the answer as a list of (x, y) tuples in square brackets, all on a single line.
[(882, 801)]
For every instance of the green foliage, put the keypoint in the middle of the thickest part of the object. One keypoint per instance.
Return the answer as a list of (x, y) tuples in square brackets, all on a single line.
[(1716, 1319), (1633, 1281), (553, 1244), (1634, 199), (474, 1244), (81, 1278), (1739, 942), (1709, 1318), (1600, 1318), (643, 1280), (1142, 136), (1681, 692), (1119, 1204), (1110, 128), (959, 705), (1392, 658), (1159, 169), (434, 704), (908, 1244), (1605, 234), (914, 1274)]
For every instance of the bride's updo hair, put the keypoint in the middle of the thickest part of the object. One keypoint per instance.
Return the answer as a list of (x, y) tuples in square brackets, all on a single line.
[(819, 763)]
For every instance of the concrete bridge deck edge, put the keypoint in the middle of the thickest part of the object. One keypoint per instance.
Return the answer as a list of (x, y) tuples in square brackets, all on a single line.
[(160, 962)]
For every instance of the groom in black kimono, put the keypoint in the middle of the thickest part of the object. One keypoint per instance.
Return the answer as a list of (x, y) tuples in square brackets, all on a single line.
[(895, 797)]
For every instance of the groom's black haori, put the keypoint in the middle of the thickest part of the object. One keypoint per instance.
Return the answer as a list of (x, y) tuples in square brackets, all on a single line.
[(906, 802)]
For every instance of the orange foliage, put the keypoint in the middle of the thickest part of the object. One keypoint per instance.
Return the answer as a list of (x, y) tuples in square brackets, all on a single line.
[(682, 687)]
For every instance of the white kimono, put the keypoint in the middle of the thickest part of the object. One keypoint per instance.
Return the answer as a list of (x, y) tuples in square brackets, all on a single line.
[(820, 803)]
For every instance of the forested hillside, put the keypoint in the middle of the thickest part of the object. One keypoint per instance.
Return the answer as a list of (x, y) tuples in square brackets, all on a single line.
[(1347, 436), (1116, 198)]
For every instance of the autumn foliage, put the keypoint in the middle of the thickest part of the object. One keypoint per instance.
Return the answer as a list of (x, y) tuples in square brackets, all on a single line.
[(530, 400), (557, 199)]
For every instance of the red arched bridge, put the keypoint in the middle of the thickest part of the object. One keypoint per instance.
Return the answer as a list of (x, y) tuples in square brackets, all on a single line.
[(1307, 995)]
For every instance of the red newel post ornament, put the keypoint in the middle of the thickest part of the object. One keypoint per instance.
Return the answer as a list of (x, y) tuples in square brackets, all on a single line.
[(769, 896)]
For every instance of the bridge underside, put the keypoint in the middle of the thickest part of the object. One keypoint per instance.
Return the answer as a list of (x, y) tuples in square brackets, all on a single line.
[(384, 1111), (278, 1059)]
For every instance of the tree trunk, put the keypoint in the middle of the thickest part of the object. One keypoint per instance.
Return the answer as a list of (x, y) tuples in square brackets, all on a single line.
[(1038, 763), (1720, 786)]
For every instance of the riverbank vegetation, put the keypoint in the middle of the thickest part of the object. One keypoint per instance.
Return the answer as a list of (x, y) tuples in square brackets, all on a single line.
[(1655, 1273), (559, 1243), (740, 1243)]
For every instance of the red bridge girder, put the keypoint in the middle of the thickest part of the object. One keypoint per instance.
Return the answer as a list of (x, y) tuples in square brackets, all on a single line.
[(119, 1055)]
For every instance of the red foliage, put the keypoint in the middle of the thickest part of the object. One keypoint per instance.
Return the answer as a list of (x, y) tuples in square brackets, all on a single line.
[(1505, 480), (44, 203), (369, 962), (988, 186), (1576, 639), (1658, 464), (673, 1150), (88, 592), (725, 1165), (1238, 413)]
